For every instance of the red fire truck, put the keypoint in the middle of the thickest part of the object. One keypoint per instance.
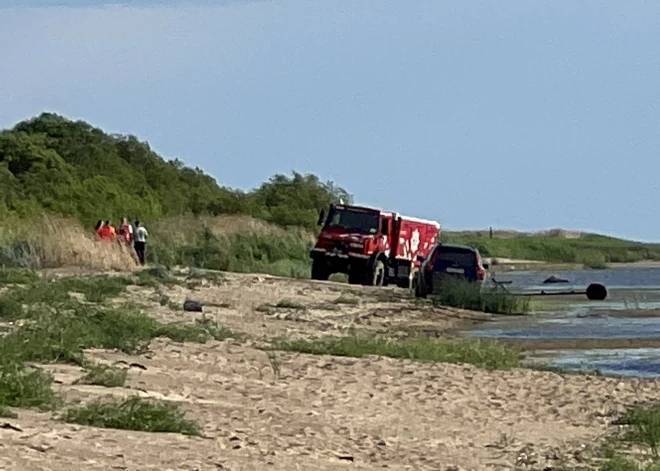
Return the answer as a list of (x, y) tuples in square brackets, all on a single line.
[(373, 247)]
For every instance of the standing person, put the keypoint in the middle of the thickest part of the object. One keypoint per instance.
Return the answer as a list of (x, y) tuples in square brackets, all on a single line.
[(111, 228), (126, 231), (105, 232), (141, 235)]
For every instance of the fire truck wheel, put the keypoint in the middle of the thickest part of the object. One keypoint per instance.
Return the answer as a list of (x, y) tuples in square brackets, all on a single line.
[(378, 273), (319, 271)]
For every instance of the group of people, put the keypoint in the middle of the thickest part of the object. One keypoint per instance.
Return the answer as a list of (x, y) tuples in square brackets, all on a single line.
[(128, 234)]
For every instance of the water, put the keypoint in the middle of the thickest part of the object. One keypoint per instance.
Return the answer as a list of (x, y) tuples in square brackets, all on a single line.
[(576, 328), (615, 278), (640, 362), (631, 312)]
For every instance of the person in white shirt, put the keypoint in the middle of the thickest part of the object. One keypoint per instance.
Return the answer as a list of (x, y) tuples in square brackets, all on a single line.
[(140, 241)]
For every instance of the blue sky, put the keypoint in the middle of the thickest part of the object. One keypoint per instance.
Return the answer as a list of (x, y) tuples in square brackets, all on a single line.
[(514, 114)]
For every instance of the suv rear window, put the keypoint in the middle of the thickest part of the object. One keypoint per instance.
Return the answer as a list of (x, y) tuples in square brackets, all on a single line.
[(454, 256)]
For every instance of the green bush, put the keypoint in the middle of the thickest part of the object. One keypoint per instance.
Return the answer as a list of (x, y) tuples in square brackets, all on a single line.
[(55, 165)]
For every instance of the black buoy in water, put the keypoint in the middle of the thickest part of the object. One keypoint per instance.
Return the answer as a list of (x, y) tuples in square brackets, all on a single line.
[(596, 292)]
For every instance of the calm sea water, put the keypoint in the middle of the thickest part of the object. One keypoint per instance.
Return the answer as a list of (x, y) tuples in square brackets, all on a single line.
[(615, 278), (629, 289)]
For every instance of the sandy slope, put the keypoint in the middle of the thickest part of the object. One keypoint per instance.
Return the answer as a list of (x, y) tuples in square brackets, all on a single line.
[(324, 413)]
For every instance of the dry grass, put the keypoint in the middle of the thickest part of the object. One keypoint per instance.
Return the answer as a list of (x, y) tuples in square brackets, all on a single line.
[(49, 242), (53, 242)]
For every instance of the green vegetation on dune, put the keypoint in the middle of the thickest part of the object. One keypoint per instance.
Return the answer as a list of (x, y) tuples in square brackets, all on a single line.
[(56, 167), (266, 250), (69, 168), (591, 250), (58, 177)]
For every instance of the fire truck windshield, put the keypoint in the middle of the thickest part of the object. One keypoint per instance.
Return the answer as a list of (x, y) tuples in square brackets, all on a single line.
[(358, 221)]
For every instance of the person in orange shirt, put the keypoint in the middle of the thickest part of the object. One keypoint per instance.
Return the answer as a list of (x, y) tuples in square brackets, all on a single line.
[(106, 231)]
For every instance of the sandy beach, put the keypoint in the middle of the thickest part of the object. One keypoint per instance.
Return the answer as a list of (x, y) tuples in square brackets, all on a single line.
[(302, 412)]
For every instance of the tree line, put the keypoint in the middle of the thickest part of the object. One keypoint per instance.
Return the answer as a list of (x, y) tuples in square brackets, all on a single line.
[(55, 165)]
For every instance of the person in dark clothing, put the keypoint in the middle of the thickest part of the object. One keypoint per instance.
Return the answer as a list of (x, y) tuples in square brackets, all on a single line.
[(140, 241)]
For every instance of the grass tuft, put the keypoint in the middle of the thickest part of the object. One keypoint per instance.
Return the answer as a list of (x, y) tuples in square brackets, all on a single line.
[(289, 304), (347, 300), (96, 289), (482, 353), (210, 276), (643, 426), (102, 375), (62, 336), (55, 292), (25, 388), (7, 413), (623, 464), (156, 276), (462, 294), (15, 276), (133, 413), (10, 309)]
